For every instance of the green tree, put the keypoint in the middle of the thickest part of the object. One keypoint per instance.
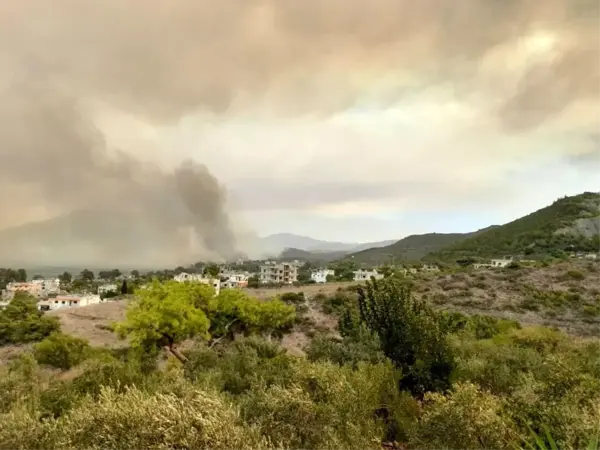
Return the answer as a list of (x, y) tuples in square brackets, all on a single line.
[(163, 315), (124, 288), (135, 273), (413, 336), (254, 282), (38, 277), (21, 275), (61, 351), (86, 275), (21, 321), (212, 270), (65, 278)]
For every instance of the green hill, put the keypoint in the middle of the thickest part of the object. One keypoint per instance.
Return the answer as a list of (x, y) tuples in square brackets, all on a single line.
[(410, 248), (570, 224)]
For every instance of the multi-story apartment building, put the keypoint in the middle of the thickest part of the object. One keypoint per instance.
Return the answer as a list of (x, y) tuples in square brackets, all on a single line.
[(279, 273)]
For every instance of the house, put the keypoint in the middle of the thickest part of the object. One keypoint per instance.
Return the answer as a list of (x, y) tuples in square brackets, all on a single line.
[(362, 275), (499, 263), (279, 273), (233, 280), (68, 301), (198, 278), (481, 266), (320, 276), (430, 268), (106, 288)]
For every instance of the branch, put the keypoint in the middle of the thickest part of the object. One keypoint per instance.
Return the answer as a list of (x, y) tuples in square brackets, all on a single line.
[(216, 341)]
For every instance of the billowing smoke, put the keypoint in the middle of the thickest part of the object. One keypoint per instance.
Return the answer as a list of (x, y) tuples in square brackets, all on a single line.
[(162, 60)]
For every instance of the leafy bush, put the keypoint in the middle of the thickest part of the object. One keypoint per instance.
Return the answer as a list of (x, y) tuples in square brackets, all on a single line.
[(575, 275), (412, 335), (61, 351), (363, 346), (21, 322), (466, 418)]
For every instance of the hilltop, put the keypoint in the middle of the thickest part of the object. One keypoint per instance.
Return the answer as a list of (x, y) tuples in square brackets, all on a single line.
[(570, 224), (410, 248)]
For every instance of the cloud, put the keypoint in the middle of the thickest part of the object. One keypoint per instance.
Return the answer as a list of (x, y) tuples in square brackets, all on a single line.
[(291, 105)]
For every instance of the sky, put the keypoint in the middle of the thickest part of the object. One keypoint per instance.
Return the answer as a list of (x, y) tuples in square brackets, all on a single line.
[(206, 124)]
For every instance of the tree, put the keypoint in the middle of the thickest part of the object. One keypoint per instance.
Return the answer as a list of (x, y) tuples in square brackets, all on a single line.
[(412, 335), (212, 270), (21, 321), (163, 315), (86, 275), (124, 288), (254, 282), (21, 276), (65, 278), (135, 273), (38, 277)]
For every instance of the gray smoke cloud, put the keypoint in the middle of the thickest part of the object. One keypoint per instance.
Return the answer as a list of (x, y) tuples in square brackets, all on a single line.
[(162, 60)]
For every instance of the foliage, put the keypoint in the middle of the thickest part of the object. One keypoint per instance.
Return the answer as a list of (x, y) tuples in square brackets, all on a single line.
[(65, 278), (21, 321), (412, 335), (61, 351), (535, 234), (11, 275), (163, 315), (363, 346), (86, 275), (466, 418)]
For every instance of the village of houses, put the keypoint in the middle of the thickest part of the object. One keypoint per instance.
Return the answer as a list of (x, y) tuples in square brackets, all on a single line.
[(50, 296)]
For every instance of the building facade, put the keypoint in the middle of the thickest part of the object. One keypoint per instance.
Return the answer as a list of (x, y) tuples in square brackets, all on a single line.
[(363, 275), (320, 276), (279, 273), (197, 278)]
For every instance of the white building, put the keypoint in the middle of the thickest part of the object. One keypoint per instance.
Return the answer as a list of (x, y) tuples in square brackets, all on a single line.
[(35, 288), (106, 288), (499, 263), (282, 273), (197, 278), (320, 276), (233, 280), (69, 301), (430, 268), (362, 275)]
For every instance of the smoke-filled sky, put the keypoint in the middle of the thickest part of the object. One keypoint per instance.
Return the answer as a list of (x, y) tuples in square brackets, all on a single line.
[(201, 122)]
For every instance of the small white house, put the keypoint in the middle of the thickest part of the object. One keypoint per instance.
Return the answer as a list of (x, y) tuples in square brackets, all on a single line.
[(69, 301), (499, 263), (430, 268), (363, 275), (234, 280), (320, 276)]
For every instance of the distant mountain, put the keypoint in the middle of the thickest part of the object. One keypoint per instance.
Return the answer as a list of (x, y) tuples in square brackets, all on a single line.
[(315, 256), (277, 243), (569, 224), (410, 248)]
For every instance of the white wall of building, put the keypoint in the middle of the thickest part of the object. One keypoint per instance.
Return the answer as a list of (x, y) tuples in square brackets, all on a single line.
[(362, 275), (320, 276)]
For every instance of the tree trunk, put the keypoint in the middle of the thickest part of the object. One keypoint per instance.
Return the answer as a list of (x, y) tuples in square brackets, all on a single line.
[(175, 352)]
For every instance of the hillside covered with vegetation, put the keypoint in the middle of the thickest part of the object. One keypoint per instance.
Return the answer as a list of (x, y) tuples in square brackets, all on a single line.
[(396, 373), (567, 225), (411, 248)]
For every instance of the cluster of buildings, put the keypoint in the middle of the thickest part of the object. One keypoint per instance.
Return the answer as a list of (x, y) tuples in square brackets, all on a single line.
[(37, 288), (225, 280)]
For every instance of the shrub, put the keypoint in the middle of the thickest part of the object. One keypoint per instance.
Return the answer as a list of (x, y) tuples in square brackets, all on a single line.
[(293, 298), (467, 418), (135, 419), (21, 322), (575, 275), (61, 351), (361, 347), (412, 335)]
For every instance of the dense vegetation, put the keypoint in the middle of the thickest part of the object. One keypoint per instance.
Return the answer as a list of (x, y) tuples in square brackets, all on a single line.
[(411, 248), (20, 321), (399, 372), (536, 234)]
